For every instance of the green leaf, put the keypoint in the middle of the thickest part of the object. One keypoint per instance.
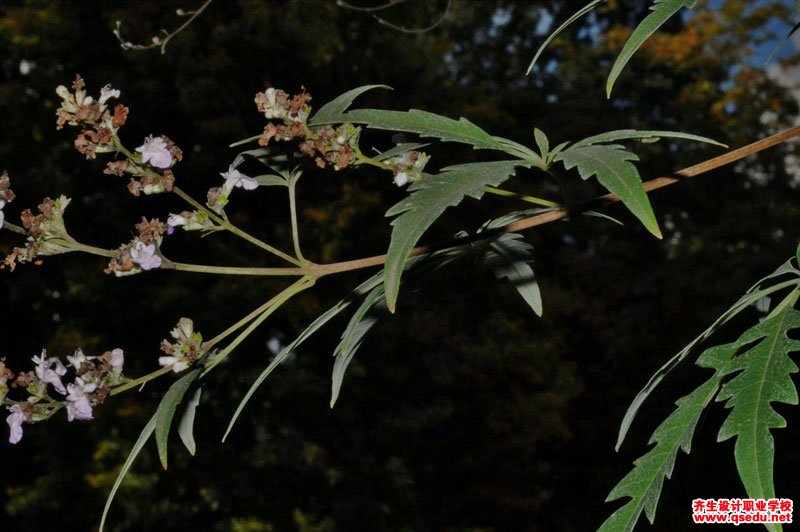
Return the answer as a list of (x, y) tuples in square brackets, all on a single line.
[(662, 10), (783, 41), (271, 180), (358, 326), (186, 425), (614, 170), (147, 431), (509, 256), (581, 12), (763, 370), (633, 134), (424, 124), (329, 112), (644, 482), (542, 142), (166, 411), (429, 198), (399, 150), (753, 294)]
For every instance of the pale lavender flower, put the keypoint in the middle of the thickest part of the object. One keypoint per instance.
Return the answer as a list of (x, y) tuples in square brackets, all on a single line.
[(401, 179), (174, 220), (145, 255), (117, 360), (155, 152), (77, 359), (177, 363), (2, 216), (235, 179), (15, 420), (108, 92), (77, 402), (50, 370)]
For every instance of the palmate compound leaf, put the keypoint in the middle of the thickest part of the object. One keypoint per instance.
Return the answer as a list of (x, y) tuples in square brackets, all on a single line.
[(428, 199), (661, 11), (612, 165), (761, 370), (509, 256), (643, 484), (764, 287)]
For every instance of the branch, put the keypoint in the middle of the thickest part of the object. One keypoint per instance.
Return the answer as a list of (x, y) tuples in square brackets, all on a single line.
[(162, 41)]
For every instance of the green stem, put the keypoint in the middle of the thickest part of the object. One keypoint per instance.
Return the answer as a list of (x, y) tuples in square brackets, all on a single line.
[(141, 380), (523, 197), (372, 162), (293, 213), (231, 270), (265, 311), (92, 250), (225, 224)]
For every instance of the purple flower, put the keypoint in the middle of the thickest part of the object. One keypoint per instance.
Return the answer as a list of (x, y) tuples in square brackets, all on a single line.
[(78, 404), (235, 179), (15, 421), (174, 220), (154, 151), (145, 255), (50, 370), (77, 359), (2, 216)]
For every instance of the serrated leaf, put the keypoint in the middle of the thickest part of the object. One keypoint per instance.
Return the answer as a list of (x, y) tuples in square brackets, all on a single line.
[(429, 198), (147, 431), (661, 11), (328, 112), (634, 134), (762, 369), (644, 482), (271, 180), (424, 124), (186, 425), (581, 12), (358, 326), (753, 294), (509, 257), (614, 170), (166, 411)]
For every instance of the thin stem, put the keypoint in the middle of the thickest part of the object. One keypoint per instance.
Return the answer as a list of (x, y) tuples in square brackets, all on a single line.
[(293, 213), (225, 224), (231, 270), (372, 162), (268, 308), (93, 250), (523, 197), (141, 380)]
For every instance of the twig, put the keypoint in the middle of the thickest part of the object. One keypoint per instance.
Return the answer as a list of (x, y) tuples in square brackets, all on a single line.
[(162, 41)]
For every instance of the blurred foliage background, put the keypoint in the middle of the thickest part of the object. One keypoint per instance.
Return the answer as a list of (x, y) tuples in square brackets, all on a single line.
[(462, 412)]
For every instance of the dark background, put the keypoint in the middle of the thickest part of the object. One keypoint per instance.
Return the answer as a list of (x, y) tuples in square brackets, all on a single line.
[(462, 412)]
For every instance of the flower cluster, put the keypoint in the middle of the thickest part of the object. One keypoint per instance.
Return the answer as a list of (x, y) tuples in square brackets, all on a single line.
[(185, 350), (6, 195), (332, 146), (293, 112), (99, 125), (408, 167), (141, 253), (218, 196), (190, 221), (93, 379), (150, 167), (47, 234)]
